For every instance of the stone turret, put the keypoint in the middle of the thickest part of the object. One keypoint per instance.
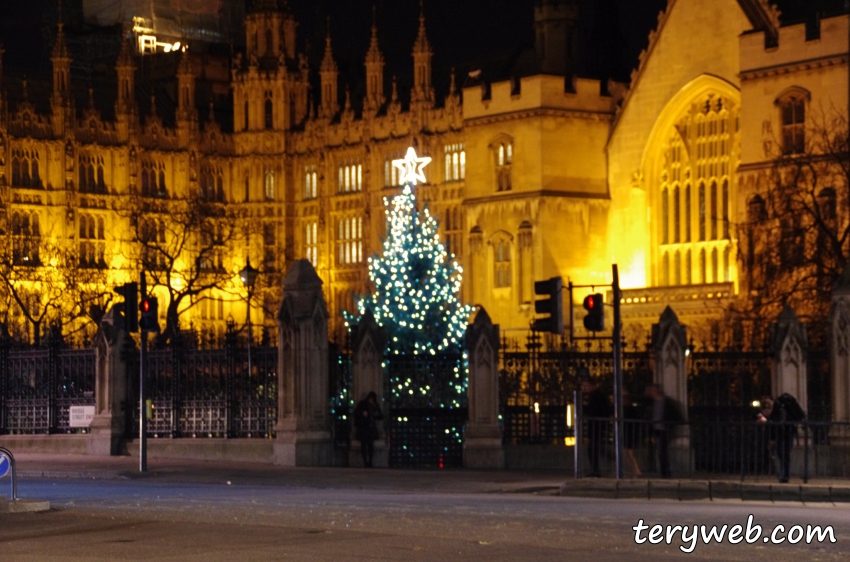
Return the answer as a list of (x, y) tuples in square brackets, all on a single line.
[(556, 30), (329, 74), (374, 72), (423, 92)]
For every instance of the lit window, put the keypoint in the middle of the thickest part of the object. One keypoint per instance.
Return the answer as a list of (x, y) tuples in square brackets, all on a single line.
[(350, 178), (793, 109), (269, 184), (350, 240), (502, 262), (311, 244), (503, 166), (310, 182), (455, 158)]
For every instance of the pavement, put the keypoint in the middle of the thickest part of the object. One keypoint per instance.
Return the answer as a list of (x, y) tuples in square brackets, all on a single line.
[(61, 466)]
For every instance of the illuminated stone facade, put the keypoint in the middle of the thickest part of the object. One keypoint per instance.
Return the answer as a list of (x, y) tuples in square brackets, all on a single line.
[(531, 177)]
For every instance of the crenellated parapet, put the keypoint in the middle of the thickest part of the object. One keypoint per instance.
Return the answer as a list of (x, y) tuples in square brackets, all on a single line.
[(577, 96)]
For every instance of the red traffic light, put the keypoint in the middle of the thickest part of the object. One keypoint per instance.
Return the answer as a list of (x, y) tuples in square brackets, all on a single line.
[(592, 301), (145, 305)]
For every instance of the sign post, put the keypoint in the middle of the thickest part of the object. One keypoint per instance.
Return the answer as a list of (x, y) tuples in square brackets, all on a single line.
[(143, 353)]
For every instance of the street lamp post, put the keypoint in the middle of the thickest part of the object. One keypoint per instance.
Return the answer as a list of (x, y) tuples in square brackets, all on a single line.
[(248, 275)]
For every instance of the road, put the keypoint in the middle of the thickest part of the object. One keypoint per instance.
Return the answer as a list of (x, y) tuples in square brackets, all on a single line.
[(165, 520)]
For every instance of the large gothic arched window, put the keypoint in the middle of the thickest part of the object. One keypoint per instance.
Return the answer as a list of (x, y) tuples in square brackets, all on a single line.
[(694, 183)]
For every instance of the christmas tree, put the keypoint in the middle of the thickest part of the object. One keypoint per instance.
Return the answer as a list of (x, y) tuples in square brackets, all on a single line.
[(416, 281)]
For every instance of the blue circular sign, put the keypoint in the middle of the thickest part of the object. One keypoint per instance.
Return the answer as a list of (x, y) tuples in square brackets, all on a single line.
[(4, 465)]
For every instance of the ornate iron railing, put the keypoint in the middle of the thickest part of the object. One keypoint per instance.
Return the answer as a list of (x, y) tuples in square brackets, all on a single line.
[(209, 392), (39, 385)]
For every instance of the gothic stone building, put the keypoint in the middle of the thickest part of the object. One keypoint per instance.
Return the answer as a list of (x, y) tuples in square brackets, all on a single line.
[(539, 175)]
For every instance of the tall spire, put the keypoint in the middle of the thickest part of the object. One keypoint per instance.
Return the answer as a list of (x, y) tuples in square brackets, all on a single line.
[(422, 93), (374, 71), (125, 68), (328, 73)]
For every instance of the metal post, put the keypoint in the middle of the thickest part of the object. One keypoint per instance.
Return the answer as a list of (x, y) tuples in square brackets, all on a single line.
[(143, 354), (805, 451), (618, 377), (250, 334), (579, 434)]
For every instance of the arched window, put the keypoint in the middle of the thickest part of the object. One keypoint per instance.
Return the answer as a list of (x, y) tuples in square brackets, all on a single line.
[(269, 42), (665, 269), (269, 121), (245, 123), (502, 263), (698, 153), (269, 184), (792, 112), (504, 157)]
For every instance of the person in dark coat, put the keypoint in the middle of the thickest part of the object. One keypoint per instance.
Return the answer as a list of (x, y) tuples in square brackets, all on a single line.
[(367, 414), (665, 415), (632, 428), (597, 406), (780, 434)]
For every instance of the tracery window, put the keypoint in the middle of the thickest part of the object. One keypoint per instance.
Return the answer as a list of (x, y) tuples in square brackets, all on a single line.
[(311, 182), (212, 183), (311, 243), (455, 159), (349, 241), (502, 262), (693, 229), (26, 238), (25, 168), (91, 243), (504, 158), (350, 177), (91, 175), (793, 114), (453, 227), (153, 179)]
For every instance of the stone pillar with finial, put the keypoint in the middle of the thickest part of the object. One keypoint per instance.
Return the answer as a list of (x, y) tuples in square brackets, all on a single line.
[(303, 419), (670, 343), (111, 345), (483, 437), (790, 346)]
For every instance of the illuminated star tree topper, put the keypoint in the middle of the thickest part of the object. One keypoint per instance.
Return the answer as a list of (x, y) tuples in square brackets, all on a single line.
[(416, 282)]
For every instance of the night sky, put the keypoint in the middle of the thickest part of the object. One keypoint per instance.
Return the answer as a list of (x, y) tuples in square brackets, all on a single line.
[(467, 34)]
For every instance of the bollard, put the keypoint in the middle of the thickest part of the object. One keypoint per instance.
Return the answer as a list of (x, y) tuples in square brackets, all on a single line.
[(11, 457)]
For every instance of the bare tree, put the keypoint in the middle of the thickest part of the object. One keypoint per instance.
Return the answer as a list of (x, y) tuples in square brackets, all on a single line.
[(43, 284), (184, 245), (795, 241)]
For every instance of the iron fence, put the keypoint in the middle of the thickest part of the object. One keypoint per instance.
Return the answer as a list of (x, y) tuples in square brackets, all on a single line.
[(741, 449), (38, 386), (536, 387), (208, 392)]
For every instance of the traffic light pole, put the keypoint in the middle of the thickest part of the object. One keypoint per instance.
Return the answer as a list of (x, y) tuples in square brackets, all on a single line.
[(143, 355), (616, 345)]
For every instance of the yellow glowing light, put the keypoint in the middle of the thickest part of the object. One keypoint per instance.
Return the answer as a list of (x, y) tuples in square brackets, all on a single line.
[(569, 415), (537, 407), (570, 441)]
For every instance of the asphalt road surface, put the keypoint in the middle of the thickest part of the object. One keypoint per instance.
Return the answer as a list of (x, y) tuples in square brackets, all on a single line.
[(113, 520)]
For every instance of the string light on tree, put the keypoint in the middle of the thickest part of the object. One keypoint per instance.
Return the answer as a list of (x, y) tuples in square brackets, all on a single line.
[(417, 284)]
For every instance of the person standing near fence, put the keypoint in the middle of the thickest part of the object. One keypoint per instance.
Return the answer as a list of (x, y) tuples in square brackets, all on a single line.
[(780, 433), (632, 429), (367, 414), (665, 415), (597, 407)]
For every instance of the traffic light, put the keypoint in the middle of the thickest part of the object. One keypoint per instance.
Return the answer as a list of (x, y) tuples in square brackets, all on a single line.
[(594, 320), (149, 307), (552, 306), (131, 299)]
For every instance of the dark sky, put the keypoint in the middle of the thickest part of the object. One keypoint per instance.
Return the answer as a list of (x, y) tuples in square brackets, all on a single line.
[(463, 33)]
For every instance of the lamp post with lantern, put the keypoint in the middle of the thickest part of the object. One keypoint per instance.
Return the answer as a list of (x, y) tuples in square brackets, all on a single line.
[(248, 275)]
